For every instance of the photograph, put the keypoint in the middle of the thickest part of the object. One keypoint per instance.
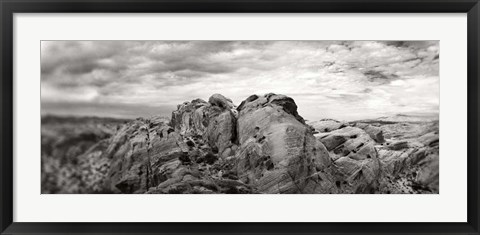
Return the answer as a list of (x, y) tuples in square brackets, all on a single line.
[(240, 117)]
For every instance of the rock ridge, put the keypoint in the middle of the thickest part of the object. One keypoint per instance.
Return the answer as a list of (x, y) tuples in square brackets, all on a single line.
[(262, 145)]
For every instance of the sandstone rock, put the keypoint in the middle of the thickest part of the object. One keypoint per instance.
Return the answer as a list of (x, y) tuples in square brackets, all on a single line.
[(357, 167), (427, 174), (327, 125), (221, 131), (357, 176), (414, 165), (137, 152), (376, 133), (427, 163), (261, 146), (350, 142), (398, 145), (277, 151), (191, 179), (429, 139), (332, 141), (214, 121), (190, 118), (221, 101)]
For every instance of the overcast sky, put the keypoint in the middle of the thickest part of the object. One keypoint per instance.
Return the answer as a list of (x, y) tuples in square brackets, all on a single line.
[(345, 80)]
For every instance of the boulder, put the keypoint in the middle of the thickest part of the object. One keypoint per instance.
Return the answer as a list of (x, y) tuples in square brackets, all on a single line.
[(221, 101)]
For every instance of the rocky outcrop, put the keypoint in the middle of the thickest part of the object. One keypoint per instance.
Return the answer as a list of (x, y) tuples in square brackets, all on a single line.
[(374, 132), (136, 150), (411, 165), (191, 118), (277, 153), (214, 121), (355, 159), (221, 101), (154, 156), (366, 162), (349, 142), (221, 129), (261, 146), (326, 125)]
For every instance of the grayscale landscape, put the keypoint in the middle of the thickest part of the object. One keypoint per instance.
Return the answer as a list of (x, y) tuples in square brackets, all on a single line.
[(240, 117)]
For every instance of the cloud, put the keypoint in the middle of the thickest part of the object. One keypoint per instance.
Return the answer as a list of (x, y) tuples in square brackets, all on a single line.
[(335, 79)]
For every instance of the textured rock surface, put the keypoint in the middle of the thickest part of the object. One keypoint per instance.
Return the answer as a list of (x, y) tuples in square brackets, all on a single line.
[(326, 125), (355, 159), (409, 155), (137, 151), (411, 165), (261, 146), (214, 121), (278, 152), (221, 130), (191, 118), (374, 132)]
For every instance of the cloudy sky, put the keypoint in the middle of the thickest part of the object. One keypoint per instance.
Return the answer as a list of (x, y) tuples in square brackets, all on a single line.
[(345, 80)]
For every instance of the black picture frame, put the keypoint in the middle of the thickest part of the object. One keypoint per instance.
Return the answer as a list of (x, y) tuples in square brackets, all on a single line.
[(9, 7)]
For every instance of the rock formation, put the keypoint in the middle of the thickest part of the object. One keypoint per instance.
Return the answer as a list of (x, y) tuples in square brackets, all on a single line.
[(261, 146), (327, 125), (278, 152)]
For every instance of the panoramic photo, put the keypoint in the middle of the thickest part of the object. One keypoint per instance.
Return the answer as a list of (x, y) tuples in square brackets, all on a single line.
[(240, 117)]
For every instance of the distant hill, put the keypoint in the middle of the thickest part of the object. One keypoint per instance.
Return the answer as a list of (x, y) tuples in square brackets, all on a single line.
[(402, 118), (46, 119)]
